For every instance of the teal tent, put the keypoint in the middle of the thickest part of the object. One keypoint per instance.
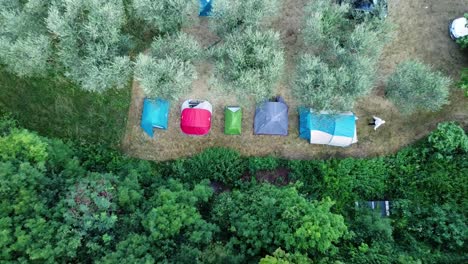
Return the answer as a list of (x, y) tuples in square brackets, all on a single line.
[(326, 128), (232, 120), (155, 114)]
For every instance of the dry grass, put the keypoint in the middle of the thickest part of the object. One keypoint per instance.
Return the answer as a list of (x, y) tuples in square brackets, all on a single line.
[(421, 34)]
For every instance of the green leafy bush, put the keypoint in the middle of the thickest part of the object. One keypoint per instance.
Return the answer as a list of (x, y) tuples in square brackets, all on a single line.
[(448, 138), (220, 164), (23, 145), (262, 163), (91, 45), (415, 86), (264, 218), (249, 63)]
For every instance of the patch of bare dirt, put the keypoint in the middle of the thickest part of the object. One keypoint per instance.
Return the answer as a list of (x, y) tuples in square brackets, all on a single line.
[(422, 33)]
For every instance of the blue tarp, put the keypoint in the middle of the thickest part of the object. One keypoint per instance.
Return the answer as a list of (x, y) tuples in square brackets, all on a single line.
[(155, 114), (205, 7)]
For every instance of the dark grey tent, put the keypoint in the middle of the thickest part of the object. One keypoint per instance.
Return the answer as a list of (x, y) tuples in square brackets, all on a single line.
[(271, 118)]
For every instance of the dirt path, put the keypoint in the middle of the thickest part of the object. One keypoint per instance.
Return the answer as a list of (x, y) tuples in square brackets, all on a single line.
[(421, 34)]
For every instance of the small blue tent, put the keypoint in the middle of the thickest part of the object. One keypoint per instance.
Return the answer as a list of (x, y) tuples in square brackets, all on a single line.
[(205, 8), (155, 114), (327, 129)]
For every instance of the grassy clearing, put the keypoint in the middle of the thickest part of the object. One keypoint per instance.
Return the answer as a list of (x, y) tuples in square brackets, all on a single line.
[(56, 108)]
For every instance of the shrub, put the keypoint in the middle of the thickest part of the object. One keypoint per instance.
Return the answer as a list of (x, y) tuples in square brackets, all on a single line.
[(448, 138), (169, 71), (341, 61), (22, 145), (91, 45), (250, 63), (219, 164), (264, 217), (415, 86), (262, 163), (231, 15), (25, 47), (7, 124), (165, 15)]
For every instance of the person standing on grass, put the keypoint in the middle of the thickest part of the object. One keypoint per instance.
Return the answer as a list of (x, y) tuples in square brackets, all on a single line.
[(377, 122)]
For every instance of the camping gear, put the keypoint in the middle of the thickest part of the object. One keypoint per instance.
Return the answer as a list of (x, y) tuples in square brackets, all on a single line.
[(271, 118), (195, 118), (232, 120), (155, 114), (205, 8), (326, 128)]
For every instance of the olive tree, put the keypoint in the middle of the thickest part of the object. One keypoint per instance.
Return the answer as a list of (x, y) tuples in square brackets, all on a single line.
[(165, 15), (339, 63), (168, 70), (25, 47), (249, 63), (91, 45), (415, 86), (229, 15)]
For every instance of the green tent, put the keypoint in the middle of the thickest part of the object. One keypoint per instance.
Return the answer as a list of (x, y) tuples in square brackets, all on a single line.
[(232, 120)]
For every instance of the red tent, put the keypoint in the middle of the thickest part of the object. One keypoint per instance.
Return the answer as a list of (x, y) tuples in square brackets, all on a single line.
[(195, 121)]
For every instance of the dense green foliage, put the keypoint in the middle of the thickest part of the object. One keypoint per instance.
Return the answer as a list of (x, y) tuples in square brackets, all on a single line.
[(168, 71), (340, 63), (84, 203), (415, 86), (249, 63), (265, 217)]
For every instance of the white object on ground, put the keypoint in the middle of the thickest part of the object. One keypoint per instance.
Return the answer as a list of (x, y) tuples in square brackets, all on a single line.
[(459, 27), (378, 122)]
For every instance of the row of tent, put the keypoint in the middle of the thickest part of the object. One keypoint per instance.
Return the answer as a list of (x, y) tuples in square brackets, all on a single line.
[(271, 118)]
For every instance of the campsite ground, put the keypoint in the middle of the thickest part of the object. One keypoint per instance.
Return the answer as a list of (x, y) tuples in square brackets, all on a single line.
[(421, 34)]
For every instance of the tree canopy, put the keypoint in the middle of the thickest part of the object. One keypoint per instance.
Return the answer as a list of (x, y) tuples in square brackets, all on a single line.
[(25, 46), (78, 202), (249, 63), (415, 86), (339, 65), (229, 16), (91, 44), (168, 70)]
